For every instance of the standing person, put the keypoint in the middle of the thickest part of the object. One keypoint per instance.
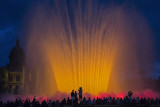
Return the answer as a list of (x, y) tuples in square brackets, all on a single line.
[(89, 101), (75, 98), (75, 94), (130, 96), (80, 93), (72, 95)]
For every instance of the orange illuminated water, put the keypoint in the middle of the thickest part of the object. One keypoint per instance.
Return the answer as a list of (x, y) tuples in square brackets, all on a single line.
[(85, 46)]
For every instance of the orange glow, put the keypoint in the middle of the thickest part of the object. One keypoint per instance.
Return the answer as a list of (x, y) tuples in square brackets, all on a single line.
[(86, 63), (86, 51)]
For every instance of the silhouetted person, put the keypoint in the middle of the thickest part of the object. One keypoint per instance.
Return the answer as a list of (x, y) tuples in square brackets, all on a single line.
[(44, 104), (50, 103), (69, 101), (130, 93), (63, 102), (57, 103), (75, 94), (72, 95), (94, 101), (110, 99), (84, 101), (27, 103), (75, 98), (89, 101), (138, 100), (113, 101), (80, 93), (121, 101), (117, 101)]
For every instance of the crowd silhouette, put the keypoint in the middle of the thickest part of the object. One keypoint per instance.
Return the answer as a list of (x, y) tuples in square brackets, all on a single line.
[(74, 101)]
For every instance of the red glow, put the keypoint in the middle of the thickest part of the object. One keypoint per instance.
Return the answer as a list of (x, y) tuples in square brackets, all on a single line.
[(59, 96)]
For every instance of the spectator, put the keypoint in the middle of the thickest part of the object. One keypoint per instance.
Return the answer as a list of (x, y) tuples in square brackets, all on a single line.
[(72, 95), (89, 101), (80, 93)]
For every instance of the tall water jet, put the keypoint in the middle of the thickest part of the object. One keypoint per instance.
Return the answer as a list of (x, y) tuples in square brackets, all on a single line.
[(81, 43)]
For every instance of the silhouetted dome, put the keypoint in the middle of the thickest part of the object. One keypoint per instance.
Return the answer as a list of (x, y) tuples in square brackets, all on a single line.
[(16, 58)]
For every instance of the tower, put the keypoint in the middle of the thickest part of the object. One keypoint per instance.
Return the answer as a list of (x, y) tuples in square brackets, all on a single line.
[(16, 70)]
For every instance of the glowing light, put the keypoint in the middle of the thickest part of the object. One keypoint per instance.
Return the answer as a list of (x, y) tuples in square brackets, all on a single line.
[(80, 47)]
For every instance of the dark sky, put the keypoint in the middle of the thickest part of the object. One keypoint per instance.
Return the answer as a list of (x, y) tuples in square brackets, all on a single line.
[(13, 12)]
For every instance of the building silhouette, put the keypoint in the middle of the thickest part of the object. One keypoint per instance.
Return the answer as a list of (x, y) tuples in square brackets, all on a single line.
[(12, 76)]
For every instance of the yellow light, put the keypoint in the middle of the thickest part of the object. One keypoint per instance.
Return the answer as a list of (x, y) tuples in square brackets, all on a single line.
[(81, 50)]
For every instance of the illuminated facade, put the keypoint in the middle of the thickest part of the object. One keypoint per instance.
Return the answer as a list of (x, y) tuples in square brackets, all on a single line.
[(12, 76), (3, 78)]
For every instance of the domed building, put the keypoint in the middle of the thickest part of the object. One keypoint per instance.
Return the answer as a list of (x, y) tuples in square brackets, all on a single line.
[(16, 70), (16, 59), (12, 76)]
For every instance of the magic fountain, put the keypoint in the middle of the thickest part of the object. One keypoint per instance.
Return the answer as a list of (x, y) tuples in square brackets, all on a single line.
[(83, 43)]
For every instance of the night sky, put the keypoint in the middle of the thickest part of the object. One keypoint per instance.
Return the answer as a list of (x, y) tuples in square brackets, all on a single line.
[(13, 13)]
